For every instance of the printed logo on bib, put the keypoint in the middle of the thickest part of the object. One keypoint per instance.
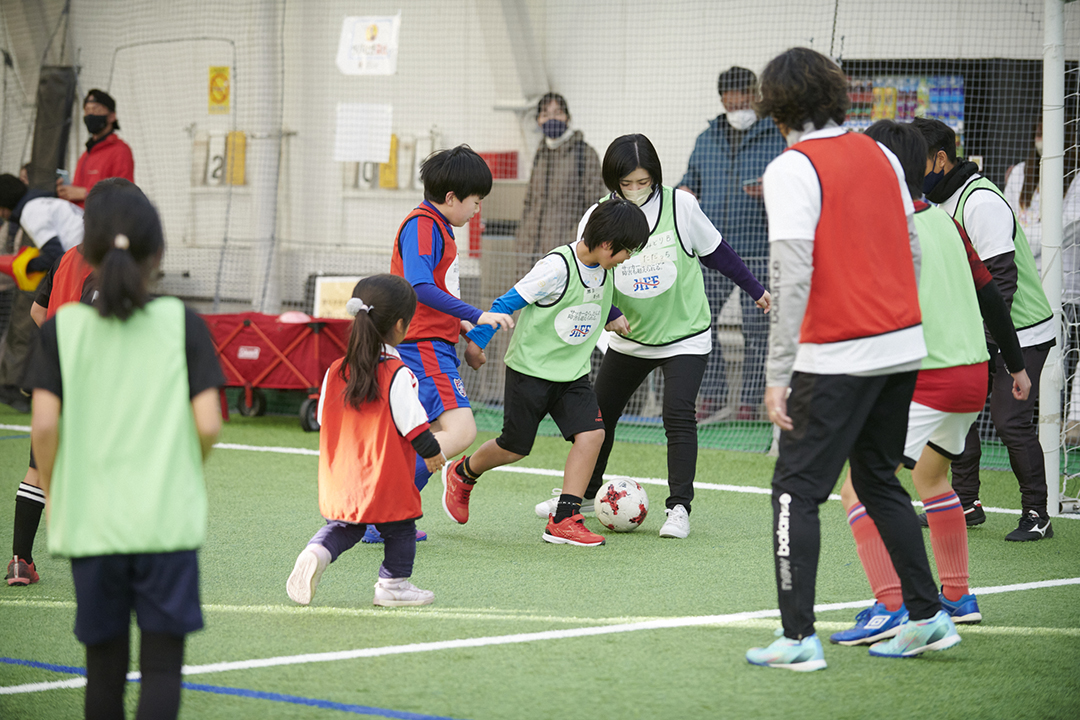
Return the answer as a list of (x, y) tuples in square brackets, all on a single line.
[(575, 324), (651, 272), (453, 278)]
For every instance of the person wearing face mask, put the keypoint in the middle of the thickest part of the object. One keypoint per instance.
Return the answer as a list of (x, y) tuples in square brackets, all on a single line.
[(662, 295), (565, 180), (106, 154), (982, 211), (724, 172), (1022, 191)]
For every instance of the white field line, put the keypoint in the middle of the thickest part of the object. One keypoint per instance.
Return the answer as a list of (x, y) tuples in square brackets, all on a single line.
[(558, 473), (743, 619), (643, 480)]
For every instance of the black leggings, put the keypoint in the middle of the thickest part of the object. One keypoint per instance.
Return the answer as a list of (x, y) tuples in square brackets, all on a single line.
[(160, 659), (619, 376)]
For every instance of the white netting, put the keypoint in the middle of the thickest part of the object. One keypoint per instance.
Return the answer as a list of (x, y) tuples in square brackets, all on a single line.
[(255, 233)]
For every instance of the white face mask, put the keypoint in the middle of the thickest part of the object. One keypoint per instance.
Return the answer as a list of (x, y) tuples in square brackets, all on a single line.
[(742, 119), (638, 197), (1038, 146)]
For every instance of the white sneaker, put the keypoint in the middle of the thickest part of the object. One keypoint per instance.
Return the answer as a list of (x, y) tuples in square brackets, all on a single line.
[(306, 573), (677, 524), (548, 507), (394, 592)]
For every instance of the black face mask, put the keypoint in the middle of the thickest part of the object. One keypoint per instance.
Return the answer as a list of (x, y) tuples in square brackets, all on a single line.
[(95, 123), (933, 178)]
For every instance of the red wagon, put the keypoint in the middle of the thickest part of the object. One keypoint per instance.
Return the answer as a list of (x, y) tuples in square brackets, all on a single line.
[(276, 352)]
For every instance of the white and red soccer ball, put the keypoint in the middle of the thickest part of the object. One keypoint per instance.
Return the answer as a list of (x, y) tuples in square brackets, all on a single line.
[(621, 505)]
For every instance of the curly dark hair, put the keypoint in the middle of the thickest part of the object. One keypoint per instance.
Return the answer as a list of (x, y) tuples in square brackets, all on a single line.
[(802, 84)]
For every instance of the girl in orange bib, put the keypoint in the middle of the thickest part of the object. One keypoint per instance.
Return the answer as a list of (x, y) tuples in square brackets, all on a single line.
[(372, 426)]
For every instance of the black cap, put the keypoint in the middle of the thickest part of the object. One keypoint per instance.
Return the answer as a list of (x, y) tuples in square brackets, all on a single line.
[(105, 99), (12, 190), (736, 78)]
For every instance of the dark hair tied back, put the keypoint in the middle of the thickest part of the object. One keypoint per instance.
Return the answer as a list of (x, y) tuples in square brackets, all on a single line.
[(379, 302), (123, 241)]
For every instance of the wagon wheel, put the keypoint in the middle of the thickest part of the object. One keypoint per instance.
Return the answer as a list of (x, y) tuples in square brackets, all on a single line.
[(258, 404), (309, 415)]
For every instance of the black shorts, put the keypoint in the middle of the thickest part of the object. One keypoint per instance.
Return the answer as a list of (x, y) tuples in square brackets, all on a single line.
[(572, 405), (162, 589), (33, 463)]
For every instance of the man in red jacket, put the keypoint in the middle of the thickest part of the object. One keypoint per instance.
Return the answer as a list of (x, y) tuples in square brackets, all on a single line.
[(106, 154)]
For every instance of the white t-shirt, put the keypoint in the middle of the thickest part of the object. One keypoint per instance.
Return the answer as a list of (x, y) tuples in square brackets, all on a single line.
[(405, 406), (698, 236), (988, 221), (43, 219), (793, 203), (548, 277)]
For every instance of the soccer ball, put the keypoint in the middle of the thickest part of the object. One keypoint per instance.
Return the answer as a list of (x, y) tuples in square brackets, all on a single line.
[(621, 505)]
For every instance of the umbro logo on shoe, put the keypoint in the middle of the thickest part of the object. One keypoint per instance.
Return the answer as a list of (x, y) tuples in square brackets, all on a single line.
[(878, 620)]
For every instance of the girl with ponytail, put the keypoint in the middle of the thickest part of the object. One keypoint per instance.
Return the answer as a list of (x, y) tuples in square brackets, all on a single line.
[(125, 411), (372, 427)]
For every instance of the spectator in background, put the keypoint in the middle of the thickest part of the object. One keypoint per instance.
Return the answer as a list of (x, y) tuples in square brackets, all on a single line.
[(52, 226), (724, 173), (106, 154), (564, 182), (1023, 192)]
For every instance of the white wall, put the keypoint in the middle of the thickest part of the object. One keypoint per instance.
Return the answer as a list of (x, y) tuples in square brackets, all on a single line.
[(624, 65)]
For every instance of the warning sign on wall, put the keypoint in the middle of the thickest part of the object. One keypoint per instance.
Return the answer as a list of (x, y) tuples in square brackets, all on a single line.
[(218, 97)]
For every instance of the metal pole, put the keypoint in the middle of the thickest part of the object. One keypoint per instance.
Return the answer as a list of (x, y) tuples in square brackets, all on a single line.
[(264, 153), (1051, 192)]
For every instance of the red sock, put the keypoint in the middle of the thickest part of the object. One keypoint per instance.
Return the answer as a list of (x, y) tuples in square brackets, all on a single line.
[(948, 537), (884, 582)]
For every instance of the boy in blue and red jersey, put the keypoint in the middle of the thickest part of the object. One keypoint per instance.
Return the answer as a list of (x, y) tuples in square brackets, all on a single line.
[(425, 254)]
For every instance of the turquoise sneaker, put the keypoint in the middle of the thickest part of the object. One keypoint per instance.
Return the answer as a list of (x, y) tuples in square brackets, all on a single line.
[(916, 637), (798, 655)]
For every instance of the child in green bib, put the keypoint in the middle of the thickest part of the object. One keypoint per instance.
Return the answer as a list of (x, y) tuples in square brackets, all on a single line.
[(125, 410), (565, 301)]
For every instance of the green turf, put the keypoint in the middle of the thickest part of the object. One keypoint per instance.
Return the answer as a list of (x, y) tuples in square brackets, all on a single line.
[(732, 435), (495, 577)]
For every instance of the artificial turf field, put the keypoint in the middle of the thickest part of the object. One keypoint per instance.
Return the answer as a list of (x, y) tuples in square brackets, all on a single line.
[(639, 628)]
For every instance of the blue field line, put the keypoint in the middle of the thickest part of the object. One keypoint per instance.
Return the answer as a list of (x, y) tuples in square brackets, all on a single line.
[(312, 702), (44, 666), (255, 694), (13, 437)]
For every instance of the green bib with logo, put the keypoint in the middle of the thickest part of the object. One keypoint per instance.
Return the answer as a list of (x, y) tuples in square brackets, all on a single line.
[(661, 289), (555, 341)]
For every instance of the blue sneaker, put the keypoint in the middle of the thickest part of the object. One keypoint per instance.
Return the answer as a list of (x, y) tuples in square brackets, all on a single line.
[(798, 655), (964, 610), (872, 624), (916, 637)]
